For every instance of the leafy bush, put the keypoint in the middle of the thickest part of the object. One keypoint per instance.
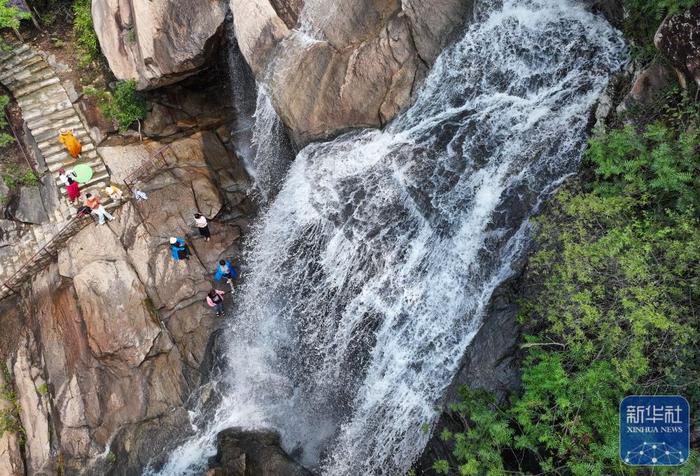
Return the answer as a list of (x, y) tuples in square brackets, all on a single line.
[(84, 31), (5, 138), (615, 311), (13, 175), (10, 16), (126, 105)]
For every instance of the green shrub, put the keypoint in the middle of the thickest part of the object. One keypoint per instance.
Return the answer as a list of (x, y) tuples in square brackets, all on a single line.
[(10, 16), (84, 31), (5, 138), (14, 176), (126, 105)]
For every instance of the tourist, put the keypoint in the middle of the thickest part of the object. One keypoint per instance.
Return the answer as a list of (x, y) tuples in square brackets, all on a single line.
[(215, 298), (114, 193), (140, 196), (97, 208), (70, 181), (179, 249), (225, 270), (71, 143), (202, 225)]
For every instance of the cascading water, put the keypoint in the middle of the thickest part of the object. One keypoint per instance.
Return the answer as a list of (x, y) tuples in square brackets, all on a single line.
[(370, 272)]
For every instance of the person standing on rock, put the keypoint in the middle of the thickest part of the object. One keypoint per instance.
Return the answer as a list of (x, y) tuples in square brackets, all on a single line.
[(97, 208), (179, 249), (70, 142), (215, 299), (202, 225), (225, 270), (70, 181)]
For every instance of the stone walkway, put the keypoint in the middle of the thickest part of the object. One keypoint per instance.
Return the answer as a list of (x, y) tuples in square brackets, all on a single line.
[(46, 108)]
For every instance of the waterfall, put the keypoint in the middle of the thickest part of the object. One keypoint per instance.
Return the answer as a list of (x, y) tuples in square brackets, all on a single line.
[(370, 272), (259, 135)]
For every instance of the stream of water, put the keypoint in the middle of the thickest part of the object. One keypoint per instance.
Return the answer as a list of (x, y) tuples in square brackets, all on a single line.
[(370, 272)]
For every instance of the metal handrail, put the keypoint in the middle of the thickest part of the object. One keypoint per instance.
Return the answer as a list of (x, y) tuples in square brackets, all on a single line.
[(149, 166), (19, 273)]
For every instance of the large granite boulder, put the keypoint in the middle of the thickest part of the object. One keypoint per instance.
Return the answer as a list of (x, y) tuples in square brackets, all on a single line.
[(243, 452), (350, 64), (678, 38), (157, 42)]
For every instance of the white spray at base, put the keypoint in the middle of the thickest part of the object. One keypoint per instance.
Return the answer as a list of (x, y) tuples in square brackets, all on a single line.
[(370, 272)]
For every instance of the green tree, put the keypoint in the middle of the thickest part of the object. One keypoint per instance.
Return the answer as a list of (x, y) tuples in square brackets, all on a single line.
[(125, 105), (10, 16), (84, 31)]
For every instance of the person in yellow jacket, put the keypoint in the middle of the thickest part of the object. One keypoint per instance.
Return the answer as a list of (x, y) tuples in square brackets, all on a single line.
[(72, 144)]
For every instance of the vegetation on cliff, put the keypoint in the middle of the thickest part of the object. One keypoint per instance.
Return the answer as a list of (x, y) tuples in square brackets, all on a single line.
[(614, 305)]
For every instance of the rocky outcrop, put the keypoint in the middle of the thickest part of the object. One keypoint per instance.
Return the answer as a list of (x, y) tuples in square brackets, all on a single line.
[(678, 38), (648, 87), (252, 453), (157, 43), (361, 60), (115, 333)]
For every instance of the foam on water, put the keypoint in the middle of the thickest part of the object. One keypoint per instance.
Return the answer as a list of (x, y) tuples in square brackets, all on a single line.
[(371, 270)]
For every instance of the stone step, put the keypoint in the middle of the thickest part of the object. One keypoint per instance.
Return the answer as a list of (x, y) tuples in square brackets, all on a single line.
[(51, 119), (40, 99), (98, 182), (16, 49), (50, 132), (47, 145), (51, 152), (21, 82), (48, 109), (33, 64), (14, 63), (27, 90)]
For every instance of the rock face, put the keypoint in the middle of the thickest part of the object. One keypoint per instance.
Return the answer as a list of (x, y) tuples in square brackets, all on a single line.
[(11, 463), (350, 64), (157, 42), (678, 38), (252, 453), (648, 86), (115, 333)]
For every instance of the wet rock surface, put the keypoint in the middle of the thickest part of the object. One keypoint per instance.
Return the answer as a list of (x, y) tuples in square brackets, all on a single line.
[(362, 60), (243, 452)]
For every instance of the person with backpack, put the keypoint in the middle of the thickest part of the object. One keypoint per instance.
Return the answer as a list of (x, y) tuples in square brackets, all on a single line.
[(202, 225), (179, 249), (225, 270), (215, 298)]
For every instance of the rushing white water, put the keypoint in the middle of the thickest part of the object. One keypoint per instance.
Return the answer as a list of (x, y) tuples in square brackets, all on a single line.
[(370, 272)]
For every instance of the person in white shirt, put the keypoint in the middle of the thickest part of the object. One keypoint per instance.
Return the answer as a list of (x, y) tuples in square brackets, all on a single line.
[(202, 225), (66, 177)]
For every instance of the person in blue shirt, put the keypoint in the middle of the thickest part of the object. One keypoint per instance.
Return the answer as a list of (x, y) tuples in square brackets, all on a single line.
[(179, 249), (226, 271)]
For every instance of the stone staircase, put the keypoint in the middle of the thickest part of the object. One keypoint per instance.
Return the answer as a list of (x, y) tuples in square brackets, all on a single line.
[(46, 108)]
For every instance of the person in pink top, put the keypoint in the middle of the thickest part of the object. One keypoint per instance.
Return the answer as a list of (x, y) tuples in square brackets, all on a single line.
[(215, 298)]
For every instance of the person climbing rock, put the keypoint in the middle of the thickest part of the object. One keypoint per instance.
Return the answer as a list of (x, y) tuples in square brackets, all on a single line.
[(70, 142), (97, 208), (70, 181), (179, 249), (225, 270), (114, 193), (215, 299), (202, 225)]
